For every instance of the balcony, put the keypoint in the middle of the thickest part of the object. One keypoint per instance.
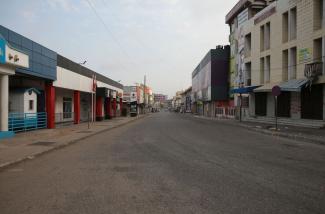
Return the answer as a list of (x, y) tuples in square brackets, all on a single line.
[(313, 71)]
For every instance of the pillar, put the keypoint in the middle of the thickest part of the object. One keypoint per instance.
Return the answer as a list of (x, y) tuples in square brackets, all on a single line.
[(121, 106), (99, 108), (4, 101), (109, 108), (114, 107), (76, 104), (50, 105)]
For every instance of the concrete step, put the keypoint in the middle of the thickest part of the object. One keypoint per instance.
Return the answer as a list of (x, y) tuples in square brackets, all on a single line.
[(288, 122)]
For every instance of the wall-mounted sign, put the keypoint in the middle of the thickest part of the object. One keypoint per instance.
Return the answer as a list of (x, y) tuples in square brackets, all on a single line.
[(2, 51), (305, 54), (265, 15), (16, 58)]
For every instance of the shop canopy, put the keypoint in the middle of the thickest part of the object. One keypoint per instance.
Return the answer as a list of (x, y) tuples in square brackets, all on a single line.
[(267, 87), (293, 85), (244, 90)]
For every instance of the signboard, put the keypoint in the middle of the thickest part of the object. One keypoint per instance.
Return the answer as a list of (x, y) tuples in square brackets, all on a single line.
[(305, 54), (276, 91), (2, 51)]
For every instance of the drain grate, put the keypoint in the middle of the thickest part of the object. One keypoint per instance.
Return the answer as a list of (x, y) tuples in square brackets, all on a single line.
[(85, 132), (43, 143)]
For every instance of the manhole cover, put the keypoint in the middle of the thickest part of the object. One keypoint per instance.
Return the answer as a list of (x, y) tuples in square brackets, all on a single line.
[(85, 132), (45, 143)]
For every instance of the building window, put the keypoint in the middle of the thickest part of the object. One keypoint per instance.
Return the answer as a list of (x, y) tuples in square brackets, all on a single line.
[(31, 105), (285, 64), (293, 23), (262, 37), (318, 51), (318, 14), (293, 63), (248, 45), (248, 73), (67, 107), (267, 34), (267, 70), (262, 70), (285, 26)]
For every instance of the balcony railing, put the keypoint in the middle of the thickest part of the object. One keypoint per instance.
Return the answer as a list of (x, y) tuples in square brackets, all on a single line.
[(313, 71)]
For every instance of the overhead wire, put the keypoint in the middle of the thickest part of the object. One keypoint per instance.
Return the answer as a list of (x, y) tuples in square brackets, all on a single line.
[(110, 33)]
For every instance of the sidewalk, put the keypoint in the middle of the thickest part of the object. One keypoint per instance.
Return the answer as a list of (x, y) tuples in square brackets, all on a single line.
[(27, 145), (310, 135)]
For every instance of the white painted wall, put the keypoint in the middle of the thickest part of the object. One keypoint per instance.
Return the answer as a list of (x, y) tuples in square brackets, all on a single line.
[(19, 102), (73, 81), (27, 98), (59, 94)]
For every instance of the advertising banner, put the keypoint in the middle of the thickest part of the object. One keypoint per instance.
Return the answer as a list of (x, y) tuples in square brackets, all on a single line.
[(2, 51), (201, 83)]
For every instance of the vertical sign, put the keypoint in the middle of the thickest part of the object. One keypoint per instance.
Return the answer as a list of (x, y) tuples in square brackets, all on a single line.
[(2, 51)]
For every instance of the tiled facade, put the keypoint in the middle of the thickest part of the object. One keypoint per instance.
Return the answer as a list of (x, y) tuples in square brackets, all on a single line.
[(279, 41)]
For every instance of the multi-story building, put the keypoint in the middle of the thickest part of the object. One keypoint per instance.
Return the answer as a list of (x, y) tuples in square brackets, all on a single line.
[(186, 100), (210, 84), (237, 19), (282, 45)]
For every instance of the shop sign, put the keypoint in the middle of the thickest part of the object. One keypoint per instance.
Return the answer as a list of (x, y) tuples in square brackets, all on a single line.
[(305, 54), (2, 51)]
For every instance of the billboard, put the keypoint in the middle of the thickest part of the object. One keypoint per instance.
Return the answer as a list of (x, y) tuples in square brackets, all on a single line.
[(201, 83)]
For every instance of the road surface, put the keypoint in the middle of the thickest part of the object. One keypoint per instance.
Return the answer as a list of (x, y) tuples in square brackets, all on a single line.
[(170, 163)]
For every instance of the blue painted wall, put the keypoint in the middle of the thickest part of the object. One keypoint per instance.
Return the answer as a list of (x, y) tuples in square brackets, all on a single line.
[(42, 61)]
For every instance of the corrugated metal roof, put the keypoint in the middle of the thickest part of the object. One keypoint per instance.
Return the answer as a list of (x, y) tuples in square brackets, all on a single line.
[(293, 85)]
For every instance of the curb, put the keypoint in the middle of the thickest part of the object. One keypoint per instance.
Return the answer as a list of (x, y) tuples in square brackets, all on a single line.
[(61, 146), (296, 137)]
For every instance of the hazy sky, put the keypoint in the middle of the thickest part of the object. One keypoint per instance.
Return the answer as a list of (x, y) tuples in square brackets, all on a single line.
[(164, 39)]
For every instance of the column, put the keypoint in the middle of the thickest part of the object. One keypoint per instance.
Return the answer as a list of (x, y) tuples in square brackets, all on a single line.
[(76, 104), (114, 107), (99, 108), (4, 101), (109, 108), (50, 105), (121, 106)]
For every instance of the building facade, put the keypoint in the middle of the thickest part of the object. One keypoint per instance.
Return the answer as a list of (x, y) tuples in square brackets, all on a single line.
[(49, 89), (210, 84), (283, 45)]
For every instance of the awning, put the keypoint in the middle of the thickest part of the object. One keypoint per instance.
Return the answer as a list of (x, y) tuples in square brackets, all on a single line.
[(244, 90), (267, 87), (293, 85)]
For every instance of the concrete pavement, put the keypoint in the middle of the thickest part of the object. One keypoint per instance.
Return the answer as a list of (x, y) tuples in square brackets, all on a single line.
[(170, 163), (310, 135), (27, 145)]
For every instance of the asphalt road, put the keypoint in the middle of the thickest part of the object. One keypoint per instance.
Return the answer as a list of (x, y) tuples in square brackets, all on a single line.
[(170, 163)]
